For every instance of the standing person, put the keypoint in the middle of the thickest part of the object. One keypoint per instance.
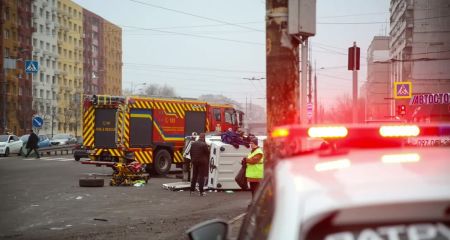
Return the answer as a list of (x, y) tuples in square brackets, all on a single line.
[(199, 158), (255, 166), (32, 144)]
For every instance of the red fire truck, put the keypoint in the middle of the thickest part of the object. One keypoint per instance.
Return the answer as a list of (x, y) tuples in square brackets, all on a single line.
[(151, 130)]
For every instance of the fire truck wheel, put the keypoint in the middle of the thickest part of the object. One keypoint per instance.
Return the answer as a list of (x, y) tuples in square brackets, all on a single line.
[(162, 162), (92, 182)]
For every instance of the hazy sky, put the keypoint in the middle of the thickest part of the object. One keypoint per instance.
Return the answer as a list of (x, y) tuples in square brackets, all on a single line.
[(190, 46)]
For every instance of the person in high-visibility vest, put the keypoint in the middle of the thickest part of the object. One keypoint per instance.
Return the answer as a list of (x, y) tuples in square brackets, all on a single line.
[(255, 166)]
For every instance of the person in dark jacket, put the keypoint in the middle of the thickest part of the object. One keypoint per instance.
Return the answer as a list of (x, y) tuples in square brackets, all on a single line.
[(199, 157), (32, 144)]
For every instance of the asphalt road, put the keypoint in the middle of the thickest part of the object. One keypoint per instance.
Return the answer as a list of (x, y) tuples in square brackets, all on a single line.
[(41, 199)]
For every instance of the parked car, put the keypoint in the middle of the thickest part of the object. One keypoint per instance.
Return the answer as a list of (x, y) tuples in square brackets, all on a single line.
[(80, 151), (44, 141), (62, 139), (10, 144)]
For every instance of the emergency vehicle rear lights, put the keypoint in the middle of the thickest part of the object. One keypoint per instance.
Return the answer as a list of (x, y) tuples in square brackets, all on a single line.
[(399, 131), (401, 158), (280, 132), (327, 132)]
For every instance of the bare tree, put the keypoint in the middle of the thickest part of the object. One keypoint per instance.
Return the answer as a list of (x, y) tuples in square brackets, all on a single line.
[(342, 111), (219, 99), (155, 90)]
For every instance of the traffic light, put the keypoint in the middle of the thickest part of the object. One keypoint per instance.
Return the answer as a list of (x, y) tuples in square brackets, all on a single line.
[(401, 110), (353, 61)]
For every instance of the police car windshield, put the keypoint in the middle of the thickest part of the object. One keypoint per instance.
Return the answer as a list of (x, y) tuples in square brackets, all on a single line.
[(61, 136)]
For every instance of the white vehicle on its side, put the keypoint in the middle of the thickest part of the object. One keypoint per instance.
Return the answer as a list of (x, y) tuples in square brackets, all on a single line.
[(10, 144)]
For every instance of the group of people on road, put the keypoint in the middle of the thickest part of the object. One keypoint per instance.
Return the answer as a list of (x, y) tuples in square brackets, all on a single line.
[(199, 152)]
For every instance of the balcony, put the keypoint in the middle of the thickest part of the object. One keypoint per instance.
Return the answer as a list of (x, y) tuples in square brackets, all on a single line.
[(48, 53)]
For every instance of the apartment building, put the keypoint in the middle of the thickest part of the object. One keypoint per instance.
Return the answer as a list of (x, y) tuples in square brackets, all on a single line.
[(112, 51), (15, 95), (78, 52), (420, 51), (45, 51), (93, 67), (70, 65), (377, 87)]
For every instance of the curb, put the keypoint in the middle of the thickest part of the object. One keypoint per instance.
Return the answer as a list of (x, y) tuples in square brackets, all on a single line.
[(236, 218)]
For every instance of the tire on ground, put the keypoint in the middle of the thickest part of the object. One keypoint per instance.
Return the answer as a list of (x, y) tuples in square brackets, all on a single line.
[(92, 182), (162, 162)]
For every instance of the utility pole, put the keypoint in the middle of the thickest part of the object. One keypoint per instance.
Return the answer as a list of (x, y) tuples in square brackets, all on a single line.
[(315, 94), (282, 70), (303, 83), (309, 83)]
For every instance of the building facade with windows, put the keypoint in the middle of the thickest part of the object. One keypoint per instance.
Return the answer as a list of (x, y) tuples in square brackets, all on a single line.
[(420, 52), (112, 52), (377, 87), (45, 51), (93, 67), (70, 65), (78, 52), (16, 85)]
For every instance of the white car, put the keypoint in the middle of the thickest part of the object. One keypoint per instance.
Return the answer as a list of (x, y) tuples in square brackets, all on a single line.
[(10, 144), (362, 183)]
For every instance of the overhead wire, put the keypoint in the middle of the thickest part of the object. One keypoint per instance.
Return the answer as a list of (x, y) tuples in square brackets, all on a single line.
[(194, 15)]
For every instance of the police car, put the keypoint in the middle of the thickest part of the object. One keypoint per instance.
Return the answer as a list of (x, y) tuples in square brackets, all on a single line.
[(363, 183)]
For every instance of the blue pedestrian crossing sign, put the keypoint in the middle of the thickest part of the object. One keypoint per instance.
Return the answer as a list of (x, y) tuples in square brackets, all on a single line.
[(31, 66), (37, 122)]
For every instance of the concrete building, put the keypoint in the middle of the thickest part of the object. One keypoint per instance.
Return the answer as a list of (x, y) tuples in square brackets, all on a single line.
[(15, 95), (112, 52), (45, 51), (420, 49), (70, 65), (93, 66), (377, 87)]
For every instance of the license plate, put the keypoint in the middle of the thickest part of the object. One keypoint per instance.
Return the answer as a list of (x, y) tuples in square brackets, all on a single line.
[(430, 141)]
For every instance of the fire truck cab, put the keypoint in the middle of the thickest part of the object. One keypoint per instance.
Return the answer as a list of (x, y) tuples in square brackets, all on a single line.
[(150, 130)]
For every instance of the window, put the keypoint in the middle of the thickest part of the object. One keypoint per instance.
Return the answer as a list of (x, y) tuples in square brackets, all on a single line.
[(6, 53), (258, 221), (41, 93), (216, 112), (230, 117), (6, 34)]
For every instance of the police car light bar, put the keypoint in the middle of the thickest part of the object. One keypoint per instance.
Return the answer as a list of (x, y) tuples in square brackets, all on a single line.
[(280, 132), (399, 131), (369, 130), (328, 132)]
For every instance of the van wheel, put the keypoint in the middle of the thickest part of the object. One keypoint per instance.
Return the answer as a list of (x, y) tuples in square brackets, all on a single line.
[(20, 152), (162, 162), (6, 152)]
